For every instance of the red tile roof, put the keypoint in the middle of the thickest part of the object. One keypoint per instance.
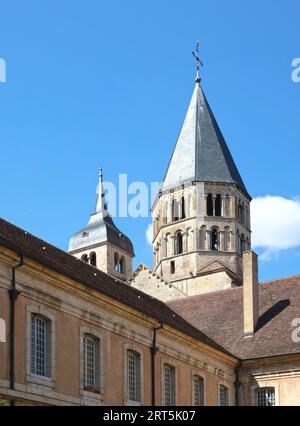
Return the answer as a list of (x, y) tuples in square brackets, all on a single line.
[(33, 248), (220, 316)]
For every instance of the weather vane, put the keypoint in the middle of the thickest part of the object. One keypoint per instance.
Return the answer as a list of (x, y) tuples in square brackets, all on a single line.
[(199, 63)]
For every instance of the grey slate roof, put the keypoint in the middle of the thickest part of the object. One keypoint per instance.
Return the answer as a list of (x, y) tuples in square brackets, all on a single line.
[(100, 228), (201, 153)]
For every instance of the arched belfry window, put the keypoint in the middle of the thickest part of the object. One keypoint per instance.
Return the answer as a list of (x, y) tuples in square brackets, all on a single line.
[(85, 258), (218, 205), (175, 212), (210, 206), (178, 243), (214, 239), (243, 245), (182, 208), (116, 262), (122, 265), (241, 212), (93, 259), (119, 263)]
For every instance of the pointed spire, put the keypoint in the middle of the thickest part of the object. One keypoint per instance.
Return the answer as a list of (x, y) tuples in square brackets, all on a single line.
[(100, 203), (101, 227), (201, 153)]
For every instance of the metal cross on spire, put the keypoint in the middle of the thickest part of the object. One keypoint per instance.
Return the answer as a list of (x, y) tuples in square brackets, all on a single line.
[(199, 63)]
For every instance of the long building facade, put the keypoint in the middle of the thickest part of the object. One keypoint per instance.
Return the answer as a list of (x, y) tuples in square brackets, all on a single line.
[(81, 328)]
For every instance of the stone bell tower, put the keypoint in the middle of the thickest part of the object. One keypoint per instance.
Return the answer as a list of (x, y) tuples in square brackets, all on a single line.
[(101, 243), (201, 216)]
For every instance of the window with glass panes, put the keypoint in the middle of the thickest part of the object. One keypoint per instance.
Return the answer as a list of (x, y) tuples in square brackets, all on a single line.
[(40, 346), (198, 391), (90, 359), (169, 385), (265, 397), (223, 396), (133, 375)]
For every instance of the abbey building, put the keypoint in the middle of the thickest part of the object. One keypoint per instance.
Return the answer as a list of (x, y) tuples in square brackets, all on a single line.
[(197, 328)]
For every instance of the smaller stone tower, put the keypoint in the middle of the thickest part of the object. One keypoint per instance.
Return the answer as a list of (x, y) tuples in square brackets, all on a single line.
[(101, 243)]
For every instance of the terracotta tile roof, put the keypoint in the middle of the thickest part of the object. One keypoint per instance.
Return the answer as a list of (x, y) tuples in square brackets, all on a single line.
[(220, 316), (33, 248)]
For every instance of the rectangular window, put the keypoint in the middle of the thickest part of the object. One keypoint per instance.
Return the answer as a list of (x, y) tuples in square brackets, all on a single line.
[(172, 267), (40, 346), (90, 362), (198, 384), (265, 397), (170, 385), (223, 396), (133, 376)]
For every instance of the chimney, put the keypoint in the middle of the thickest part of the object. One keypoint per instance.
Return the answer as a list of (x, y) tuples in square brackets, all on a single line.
[(250, 292)]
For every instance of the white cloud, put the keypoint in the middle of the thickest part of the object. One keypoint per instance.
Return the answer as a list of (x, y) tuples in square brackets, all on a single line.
[(149, 234), (275, 224)]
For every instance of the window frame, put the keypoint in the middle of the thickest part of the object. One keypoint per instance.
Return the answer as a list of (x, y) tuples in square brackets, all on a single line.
[(95, 386), (40, 355), (215, 231), (97, 392), (179, 243), (202, 397), (173, 394), (133, 375), (31, 378), (265, 388), (140, 381), (227, 395)]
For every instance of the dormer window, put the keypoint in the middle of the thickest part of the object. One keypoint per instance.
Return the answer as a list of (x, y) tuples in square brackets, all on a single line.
[(85, 234)]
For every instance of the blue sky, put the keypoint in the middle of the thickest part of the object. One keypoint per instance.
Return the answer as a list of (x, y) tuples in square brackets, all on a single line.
[(94, 81)]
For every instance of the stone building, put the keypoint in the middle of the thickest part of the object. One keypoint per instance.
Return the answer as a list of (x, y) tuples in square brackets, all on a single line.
[(80, 328)]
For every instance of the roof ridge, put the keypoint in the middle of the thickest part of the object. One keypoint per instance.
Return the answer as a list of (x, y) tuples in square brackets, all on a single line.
[(196, 296), (64, 263), (279, 279)]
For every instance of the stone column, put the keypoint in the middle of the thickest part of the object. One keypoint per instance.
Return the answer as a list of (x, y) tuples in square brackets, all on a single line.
[(223, 206), (221, 241), (184, 242), (165, 247), (233, 206), (173, 245), (169, 211), (191, 238), (207, 242), (205, 205)]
